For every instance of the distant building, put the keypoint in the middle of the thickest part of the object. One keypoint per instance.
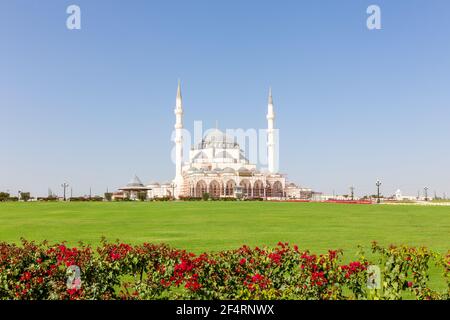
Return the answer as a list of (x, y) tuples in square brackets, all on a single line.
[(398, 196), (131, 190)]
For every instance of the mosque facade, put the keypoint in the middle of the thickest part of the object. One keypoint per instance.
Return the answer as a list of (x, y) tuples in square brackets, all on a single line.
[(217, 166)]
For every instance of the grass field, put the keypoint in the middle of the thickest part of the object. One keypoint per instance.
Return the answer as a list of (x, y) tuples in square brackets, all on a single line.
[(211, 226), (206, 226)]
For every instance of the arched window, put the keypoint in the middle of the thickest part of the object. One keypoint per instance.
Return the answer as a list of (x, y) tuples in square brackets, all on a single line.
[(268, 190), (200, 189), (230, 187), (246, 188), (277, 189), (214, 189), (258, 189)]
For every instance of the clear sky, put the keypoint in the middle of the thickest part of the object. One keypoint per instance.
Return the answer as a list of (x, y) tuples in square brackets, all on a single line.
[(92, 107)]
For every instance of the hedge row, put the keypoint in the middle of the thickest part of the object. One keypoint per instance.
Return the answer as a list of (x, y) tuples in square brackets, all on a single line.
[(148, 271)]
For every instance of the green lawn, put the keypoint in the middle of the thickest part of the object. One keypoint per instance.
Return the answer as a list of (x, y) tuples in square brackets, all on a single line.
[(200, 226), (211, 226)]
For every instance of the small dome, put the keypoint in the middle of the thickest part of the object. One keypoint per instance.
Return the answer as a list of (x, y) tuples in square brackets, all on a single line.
[(242, 169), (135, 182), (292, 185), (192, 170), (228, 170), (218, 170)]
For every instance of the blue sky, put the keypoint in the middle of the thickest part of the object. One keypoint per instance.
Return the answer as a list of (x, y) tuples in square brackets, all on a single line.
[(94, 106)]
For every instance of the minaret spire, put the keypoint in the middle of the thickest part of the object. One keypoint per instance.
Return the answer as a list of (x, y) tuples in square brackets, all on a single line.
[(179, 100), (270, 97), (270, 134), (178, 181)]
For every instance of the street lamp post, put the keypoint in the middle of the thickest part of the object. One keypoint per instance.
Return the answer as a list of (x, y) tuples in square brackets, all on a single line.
[(378, 184), (64, 186), (352, 192), (426, 193), (173, 190)]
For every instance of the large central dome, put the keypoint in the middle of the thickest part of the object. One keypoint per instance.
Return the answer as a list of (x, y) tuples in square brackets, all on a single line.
[(218, 136), (217, 139)]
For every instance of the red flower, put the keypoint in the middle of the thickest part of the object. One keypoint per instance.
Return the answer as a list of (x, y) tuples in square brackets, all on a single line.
[(71, 291), (275, 257), (165, 283), (410, 284), (192, 283), (257, 277), (26, 276), (332, 254), (281, 244), (243, 261), (115, 256)]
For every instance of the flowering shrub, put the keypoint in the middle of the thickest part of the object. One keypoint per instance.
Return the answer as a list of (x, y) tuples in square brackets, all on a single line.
[(406, 268), (150, 271)]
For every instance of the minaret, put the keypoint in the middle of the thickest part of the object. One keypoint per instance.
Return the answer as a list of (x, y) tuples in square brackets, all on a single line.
[(270, 134), (178, 142)]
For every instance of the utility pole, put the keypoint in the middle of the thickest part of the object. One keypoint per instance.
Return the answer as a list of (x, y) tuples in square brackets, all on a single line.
[(352, 192), (426, 193), (64, 186), (378, 184)]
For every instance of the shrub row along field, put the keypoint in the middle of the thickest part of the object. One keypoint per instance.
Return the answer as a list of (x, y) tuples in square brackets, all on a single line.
[(122, 271)]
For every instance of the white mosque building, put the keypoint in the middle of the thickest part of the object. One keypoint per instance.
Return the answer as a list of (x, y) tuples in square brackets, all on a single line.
[(218, 166)]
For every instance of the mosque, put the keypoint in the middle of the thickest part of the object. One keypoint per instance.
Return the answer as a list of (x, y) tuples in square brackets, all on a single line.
[(218, 166)]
